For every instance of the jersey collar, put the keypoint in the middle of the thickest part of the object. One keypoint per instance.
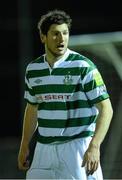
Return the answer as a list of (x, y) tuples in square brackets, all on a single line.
[(63, 58)]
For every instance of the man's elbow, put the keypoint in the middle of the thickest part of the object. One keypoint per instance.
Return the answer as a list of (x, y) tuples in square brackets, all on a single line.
[(111, 111)]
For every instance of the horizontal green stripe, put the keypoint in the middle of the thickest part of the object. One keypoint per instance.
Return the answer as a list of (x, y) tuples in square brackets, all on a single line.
[(73, 71), (90, 86), (64, 105), (74, 57), (53, 106), (57, 88), (100, 98), (29, 90), (39, 60), (30, 102), (78, 104), (56, 123), (86, 70), (49, 139), (38, 73)]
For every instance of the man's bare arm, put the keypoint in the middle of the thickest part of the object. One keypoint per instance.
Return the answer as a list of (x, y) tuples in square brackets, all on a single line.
[(92, 155), (29, 127)]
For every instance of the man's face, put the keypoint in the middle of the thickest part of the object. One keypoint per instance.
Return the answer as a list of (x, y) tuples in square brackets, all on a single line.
[(56, 41)]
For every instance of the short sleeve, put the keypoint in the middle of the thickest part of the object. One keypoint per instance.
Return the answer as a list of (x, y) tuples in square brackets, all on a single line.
[(94, 85), (29, 95)]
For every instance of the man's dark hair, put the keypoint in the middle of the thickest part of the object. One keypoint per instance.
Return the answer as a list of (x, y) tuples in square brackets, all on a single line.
[(53, 17)]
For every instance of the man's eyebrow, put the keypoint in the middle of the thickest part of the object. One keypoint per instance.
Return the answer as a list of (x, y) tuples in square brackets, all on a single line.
[(59, 31)]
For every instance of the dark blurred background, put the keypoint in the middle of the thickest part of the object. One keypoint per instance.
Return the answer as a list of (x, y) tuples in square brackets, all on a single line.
[(20, 44)]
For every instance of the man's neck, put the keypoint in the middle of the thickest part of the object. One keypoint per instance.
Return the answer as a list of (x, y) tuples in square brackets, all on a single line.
[(52, 58), (52, 61)]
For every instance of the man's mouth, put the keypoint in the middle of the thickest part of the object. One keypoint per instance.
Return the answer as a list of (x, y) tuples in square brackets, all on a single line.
[(60, 46)]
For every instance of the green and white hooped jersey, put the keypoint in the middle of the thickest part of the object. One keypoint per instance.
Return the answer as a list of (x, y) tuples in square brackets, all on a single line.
[(66, 96)]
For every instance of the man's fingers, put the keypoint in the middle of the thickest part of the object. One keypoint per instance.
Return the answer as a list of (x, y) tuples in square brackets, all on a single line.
[(91, 168), (24, 165), (90, 162), (83, 163), (95, 166)]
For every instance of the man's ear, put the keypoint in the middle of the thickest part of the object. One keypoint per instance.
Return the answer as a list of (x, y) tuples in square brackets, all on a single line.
[(43, 38)]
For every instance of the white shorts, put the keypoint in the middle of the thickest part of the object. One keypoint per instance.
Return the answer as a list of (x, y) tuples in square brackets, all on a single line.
[(61, 161)]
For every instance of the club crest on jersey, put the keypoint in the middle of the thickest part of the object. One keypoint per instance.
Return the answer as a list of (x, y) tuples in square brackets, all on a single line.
[(68, 79)]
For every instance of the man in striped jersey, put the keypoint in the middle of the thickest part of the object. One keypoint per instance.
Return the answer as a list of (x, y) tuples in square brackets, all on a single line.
[(68, 102)]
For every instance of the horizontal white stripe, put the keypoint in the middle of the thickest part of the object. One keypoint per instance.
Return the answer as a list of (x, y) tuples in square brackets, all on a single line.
[(85, 63), (78, 96), (70, 131), (76, 130), (73, 64), (27, 83), (29, 97), (59, 64), (37, 66), (63, 115), (82, 112), (89, 77), (61, 97), (50, 131), (53, 80), (95, 93), (45, 114)]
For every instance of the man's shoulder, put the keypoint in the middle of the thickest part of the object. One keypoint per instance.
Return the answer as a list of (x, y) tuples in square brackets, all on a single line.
[(39, 59), (76, 56), (73, 55), (35, 63)]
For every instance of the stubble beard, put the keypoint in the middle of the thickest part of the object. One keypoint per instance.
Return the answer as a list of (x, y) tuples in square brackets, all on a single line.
[(56, 55)]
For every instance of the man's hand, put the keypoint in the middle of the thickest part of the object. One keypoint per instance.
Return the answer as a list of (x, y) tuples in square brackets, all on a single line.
[(23, 163), (91, 159)]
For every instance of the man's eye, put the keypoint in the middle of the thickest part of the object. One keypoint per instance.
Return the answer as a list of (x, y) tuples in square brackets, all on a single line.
[(65, 33), (56, 34)]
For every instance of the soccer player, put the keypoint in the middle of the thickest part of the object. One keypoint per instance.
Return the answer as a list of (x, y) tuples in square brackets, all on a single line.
[(67, 101)]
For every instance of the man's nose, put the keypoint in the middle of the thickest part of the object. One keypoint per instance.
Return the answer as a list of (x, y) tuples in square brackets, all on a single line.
[(61, 37)]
